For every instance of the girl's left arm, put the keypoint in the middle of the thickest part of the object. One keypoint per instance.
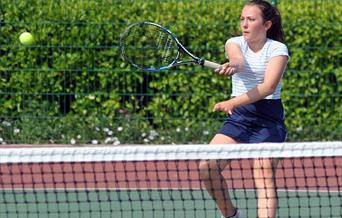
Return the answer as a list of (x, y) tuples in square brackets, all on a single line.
[(273, 74)]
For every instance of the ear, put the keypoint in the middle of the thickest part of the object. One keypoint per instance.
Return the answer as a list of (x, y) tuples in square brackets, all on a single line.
[(268, 25)]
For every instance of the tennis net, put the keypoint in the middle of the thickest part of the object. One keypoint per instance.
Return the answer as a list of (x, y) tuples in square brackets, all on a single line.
[(164, 180)]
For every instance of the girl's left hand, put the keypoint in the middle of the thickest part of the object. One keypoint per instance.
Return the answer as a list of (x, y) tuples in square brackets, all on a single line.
[(224, 106)]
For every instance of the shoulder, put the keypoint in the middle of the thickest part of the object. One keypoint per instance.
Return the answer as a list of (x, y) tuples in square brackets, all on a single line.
[(237, 40), (276, 48), (276, 44)]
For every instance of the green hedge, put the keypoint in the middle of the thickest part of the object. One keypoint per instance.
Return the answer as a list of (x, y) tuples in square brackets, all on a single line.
[(72, 85)]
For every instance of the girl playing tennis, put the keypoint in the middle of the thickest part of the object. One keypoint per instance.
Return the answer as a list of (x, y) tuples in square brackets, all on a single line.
[(257, 61)]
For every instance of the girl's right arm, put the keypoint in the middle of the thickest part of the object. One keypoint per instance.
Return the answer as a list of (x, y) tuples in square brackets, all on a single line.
[(235, 60)]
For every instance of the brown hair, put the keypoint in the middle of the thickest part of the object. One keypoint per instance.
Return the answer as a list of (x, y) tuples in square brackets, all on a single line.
[(270, 13)]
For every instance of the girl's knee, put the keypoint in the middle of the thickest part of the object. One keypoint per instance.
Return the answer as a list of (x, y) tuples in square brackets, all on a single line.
[(204, 169), (208, 168)]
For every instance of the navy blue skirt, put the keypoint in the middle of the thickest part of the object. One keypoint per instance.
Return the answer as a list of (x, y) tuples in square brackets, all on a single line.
[(261, 121)]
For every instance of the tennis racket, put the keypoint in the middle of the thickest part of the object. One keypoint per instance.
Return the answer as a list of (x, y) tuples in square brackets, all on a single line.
[(152, 47)]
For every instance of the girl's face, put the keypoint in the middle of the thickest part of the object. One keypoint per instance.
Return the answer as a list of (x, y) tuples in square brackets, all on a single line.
[(252, 24)]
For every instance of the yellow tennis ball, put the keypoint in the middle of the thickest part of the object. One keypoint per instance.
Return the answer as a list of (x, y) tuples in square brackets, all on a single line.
[(26, 38)]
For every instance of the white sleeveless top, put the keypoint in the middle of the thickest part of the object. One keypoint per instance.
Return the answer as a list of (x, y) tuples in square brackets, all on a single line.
[(255, 65)]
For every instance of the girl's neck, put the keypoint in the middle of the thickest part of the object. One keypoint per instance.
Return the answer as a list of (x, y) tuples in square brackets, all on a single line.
[(256, 46)]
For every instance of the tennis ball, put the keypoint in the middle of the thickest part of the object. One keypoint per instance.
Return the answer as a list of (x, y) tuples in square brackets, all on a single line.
[(26, 38)]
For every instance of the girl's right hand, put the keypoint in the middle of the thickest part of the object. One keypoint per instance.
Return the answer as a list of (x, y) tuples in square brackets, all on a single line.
[(227, 69)]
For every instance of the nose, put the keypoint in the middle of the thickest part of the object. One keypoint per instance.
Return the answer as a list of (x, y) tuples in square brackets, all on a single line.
[(244, 23)]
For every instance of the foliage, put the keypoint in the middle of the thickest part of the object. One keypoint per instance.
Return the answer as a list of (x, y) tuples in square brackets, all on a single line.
[(73, 87)]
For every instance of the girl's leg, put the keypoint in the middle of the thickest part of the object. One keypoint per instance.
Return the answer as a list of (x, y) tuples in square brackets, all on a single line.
[(264, 173), (215, 184)]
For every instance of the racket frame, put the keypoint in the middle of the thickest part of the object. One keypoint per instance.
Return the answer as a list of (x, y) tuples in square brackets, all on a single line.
[(176, 61)]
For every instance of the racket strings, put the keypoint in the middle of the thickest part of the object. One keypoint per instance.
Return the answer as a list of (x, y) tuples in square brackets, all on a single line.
[(167, 50), (149, 47)]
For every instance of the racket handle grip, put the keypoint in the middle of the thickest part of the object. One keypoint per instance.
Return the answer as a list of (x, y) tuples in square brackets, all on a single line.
[(211, 65)]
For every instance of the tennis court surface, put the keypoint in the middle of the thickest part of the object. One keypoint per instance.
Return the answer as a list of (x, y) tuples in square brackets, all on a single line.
[(163, 180)]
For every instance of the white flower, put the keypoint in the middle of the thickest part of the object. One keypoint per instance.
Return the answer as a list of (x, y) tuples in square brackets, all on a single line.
[(110, 132), (108, 140), (205, 132), (151, 137), (6, 123), (153, 133), (78, 136), (94, 142), (116, 142), (16, 131), (120, 128), (1, 139), (105, 130), (299, 129), (72, 141), (178, 129)]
